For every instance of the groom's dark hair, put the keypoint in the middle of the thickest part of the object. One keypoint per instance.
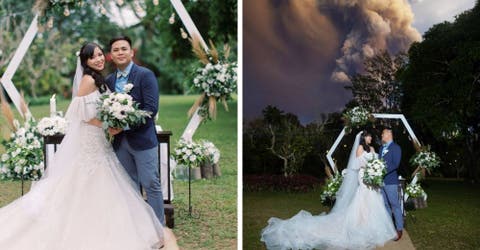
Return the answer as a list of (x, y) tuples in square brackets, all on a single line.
[(118, 38), (389, 129)]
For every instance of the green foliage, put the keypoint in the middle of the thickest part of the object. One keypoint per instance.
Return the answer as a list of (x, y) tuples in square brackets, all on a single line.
[(449, 222), (442, 88)]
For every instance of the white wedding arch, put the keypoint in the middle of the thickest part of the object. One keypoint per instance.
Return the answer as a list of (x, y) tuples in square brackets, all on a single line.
[(376, 116), (8, 85)]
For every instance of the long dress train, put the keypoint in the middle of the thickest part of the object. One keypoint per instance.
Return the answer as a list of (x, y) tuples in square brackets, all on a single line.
[(84, 201), (358, 220)]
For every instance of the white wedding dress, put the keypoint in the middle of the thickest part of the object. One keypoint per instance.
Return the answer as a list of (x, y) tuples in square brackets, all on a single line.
[(84, 201), (358, 219)]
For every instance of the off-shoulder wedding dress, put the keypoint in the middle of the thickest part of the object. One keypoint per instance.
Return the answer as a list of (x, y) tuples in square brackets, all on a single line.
[(84, 201)]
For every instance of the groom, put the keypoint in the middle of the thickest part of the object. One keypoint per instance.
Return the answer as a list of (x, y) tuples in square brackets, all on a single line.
[(136, 147), (391, 153)]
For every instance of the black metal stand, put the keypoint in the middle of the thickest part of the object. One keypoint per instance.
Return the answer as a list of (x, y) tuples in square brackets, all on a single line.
[(189, 192)]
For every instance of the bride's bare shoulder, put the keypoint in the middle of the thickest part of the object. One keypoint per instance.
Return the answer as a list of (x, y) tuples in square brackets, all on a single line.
[(87, 85), (359, 150)]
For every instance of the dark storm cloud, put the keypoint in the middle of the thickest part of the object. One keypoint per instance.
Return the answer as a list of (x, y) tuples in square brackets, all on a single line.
[(292, 49)]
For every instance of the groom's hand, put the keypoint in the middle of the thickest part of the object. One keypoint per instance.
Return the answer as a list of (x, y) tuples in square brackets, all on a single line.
[(114, 131)]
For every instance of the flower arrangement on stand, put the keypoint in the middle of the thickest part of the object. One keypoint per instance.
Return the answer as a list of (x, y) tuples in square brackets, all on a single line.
[(373, 173), (216, 79), (190, 155), (23, 157), (416, 196), (210, 167), (357, 117), (330, 188), (424, 160), (55, 125)]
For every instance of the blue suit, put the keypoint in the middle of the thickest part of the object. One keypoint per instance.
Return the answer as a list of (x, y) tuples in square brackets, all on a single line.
[(392, 155), (136, 147)]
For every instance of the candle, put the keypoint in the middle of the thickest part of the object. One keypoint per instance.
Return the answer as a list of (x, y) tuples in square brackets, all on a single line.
[(53, 106)]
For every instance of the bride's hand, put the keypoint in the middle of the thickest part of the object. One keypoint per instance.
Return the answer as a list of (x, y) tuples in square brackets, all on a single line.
[(114, 131)]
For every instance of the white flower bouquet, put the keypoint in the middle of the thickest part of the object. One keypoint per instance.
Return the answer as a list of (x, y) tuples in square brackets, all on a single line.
[(23, 157), (356, 117), (331, 187), (217, 80), (190, 154), (49, 126), (414, 190), (373, 173), (210, 151), (425, 159), (118, 110)]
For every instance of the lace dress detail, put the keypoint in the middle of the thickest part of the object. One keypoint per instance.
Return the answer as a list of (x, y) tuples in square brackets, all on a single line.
[(85, 200)]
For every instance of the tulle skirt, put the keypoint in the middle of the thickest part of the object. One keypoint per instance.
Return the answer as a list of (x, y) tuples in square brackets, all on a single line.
[(365, 224), (86, 201)]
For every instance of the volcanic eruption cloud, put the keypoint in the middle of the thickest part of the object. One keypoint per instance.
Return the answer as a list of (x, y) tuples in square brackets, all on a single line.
[(372, 26), (297, 51)]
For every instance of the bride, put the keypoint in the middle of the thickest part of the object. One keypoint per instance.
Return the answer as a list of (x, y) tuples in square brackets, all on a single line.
[(358, 219), (85, 200)]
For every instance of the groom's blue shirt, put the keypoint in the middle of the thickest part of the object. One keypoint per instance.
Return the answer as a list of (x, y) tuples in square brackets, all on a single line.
[(122, 78)]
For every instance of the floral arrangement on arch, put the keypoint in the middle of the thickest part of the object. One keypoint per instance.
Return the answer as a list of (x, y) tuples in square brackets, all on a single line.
[(356, 117), (217, 79), (424, 160), (23, 157), (49, 126), (415, 190), (189, 153), (210, 151), (373, 173), (49, 9), (331, 186)]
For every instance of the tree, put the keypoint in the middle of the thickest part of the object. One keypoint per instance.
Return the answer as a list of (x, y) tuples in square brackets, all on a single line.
[(378, 88), (442, 87)]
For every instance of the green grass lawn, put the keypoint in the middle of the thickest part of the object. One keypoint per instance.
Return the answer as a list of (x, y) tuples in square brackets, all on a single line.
[(451, 220), (214, 224)]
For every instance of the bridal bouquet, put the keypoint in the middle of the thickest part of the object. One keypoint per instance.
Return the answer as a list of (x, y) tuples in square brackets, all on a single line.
[(23, 157), (356, 117), (190, 154), (118, 110), (373, 173), (49, 126), (425, 159)]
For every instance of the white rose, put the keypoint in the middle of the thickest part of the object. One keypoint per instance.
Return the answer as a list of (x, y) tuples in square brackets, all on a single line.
[(128, 87), (5, 157), (193, 158)]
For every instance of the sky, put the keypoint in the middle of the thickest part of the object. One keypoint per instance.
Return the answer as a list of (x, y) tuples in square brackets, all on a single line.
[(297, 54)]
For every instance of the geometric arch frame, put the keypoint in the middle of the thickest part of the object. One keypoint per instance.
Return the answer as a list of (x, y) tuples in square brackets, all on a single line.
[(12, 92), (378, 116)]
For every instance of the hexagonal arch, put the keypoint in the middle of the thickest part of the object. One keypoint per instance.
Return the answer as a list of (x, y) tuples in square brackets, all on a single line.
[(376, 116)]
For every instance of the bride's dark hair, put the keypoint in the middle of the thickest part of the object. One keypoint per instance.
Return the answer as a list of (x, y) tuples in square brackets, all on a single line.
[(363, 143), (86, 52)]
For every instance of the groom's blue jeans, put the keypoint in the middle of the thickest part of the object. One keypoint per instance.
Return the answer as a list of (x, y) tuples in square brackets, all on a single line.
[(392, 203), (142, 166)]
